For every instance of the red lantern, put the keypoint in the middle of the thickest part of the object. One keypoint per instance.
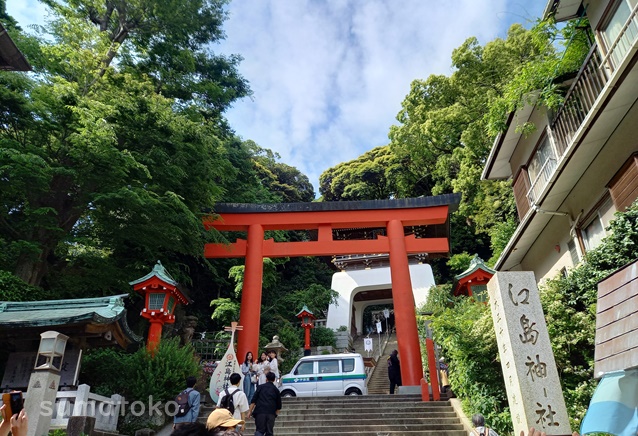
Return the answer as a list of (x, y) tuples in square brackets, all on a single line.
[(161, 296), (307, 322)]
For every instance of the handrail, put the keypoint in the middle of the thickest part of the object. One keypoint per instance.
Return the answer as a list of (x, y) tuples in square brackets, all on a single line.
[(618, 38), (579, 75)]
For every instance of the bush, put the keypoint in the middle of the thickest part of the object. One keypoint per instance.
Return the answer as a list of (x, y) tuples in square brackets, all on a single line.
[(139, 376), (322, 336), (162, 376)]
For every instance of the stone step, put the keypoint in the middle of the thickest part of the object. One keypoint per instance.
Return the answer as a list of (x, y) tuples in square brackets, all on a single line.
[(389, 411), (421, 408), (380, 428), (357, 432), (426, 423)]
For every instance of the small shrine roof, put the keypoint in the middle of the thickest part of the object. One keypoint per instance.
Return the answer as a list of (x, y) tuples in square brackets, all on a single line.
[(101, 310), (475, 264), (305, 309), (158, 271)]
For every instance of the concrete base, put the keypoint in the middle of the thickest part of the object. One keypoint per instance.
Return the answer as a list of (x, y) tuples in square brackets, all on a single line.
[(409, 390), (80, 425)]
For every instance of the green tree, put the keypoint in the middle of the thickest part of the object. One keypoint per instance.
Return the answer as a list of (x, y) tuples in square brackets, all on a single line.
[(371, 176), (110, 153)]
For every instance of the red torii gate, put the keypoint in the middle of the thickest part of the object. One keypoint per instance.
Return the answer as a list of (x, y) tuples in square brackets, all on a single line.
[(393, 215)]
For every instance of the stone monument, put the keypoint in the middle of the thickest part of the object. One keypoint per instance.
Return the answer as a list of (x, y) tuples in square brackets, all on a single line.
[(533, 388)]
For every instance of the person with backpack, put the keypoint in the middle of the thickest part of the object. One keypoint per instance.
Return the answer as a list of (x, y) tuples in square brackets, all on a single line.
[(234, 400), (187, 404), (480, 429)]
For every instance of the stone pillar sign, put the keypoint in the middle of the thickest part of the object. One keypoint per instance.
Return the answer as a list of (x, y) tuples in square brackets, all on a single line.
[(533, 389)]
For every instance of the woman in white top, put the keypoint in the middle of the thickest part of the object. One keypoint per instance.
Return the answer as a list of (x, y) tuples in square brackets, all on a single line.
[(274, 365), (263, 368)]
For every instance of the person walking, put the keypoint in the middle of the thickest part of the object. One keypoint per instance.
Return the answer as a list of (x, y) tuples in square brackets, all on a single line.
[(192, 408), (480, 429), (265, 406), (444, 375), (394, 371), (249, 375), (240, 401)]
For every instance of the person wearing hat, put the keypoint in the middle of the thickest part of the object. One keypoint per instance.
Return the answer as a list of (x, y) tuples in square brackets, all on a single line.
[(221, 420), (265, 406)]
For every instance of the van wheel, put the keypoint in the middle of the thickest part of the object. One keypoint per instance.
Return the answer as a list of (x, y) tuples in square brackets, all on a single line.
[(353, 391), (288, 394)]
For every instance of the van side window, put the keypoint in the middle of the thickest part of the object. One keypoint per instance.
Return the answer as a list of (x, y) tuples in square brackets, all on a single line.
[(304, 368), (328, 366), (348, 365)]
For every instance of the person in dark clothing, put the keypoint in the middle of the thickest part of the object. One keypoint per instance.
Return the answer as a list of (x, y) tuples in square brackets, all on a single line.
[(394, 371), (265, 406)]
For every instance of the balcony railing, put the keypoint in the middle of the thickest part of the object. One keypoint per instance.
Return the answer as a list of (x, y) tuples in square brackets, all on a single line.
[(590, 81), (580, 98)]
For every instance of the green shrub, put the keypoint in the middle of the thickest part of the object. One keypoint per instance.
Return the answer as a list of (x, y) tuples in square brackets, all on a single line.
[(322, 336), (164, 375), (106, 370)]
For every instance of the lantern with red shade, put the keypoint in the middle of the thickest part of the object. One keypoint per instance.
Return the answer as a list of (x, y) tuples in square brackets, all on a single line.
[(307, 322), (161, 296)]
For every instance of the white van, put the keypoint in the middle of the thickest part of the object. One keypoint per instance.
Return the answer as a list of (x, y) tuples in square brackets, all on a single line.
[(326, 375)]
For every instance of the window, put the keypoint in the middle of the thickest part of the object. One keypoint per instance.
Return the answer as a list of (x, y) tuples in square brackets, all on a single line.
[(155, 301), (594, 231), (541, 167), (305, 368), (328, 366), (612, 32), (348, 365), (479, 292), (171, 304), (573, 252)]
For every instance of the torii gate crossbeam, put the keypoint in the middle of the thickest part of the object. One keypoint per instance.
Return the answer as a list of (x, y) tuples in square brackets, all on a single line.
[(393, 215)]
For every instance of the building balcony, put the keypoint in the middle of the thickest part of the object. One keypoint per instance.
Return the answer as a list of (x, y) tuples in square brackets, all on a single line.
[(585, 97)]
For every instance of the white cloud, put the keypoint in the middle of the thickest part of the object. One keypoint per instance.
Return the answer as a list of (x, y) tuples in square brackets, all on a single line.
[(329, 76)]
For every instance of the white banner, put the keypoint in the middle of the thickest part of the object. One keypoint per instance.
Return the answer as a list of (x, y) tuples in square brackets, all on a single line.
[(367, 344)]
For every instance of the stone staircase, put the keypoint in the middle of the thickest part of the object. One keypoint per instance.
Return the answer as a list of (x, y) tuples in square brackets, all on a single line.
[(377, 413), (365, 415)]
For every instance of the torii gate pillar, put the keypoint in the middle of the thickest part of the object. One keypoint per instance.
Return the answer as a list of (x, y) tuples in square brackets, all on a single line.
[(403, 298), (250, 313)]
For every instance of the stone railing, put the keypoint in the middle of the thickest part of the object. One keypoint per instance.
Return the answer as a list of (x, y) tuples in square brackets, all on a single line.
[(82, 402)]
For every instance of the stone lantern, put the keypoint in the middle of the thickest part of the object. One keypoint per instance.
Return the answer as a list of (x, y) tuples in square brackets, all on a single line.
[(276, 346), (161, 296), (51, 350), (307, 322), (44, 381)]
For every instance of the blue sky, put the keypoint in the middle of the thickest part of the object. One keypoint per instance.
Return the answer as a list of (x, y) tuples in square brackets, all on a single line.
[(329, 76)]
